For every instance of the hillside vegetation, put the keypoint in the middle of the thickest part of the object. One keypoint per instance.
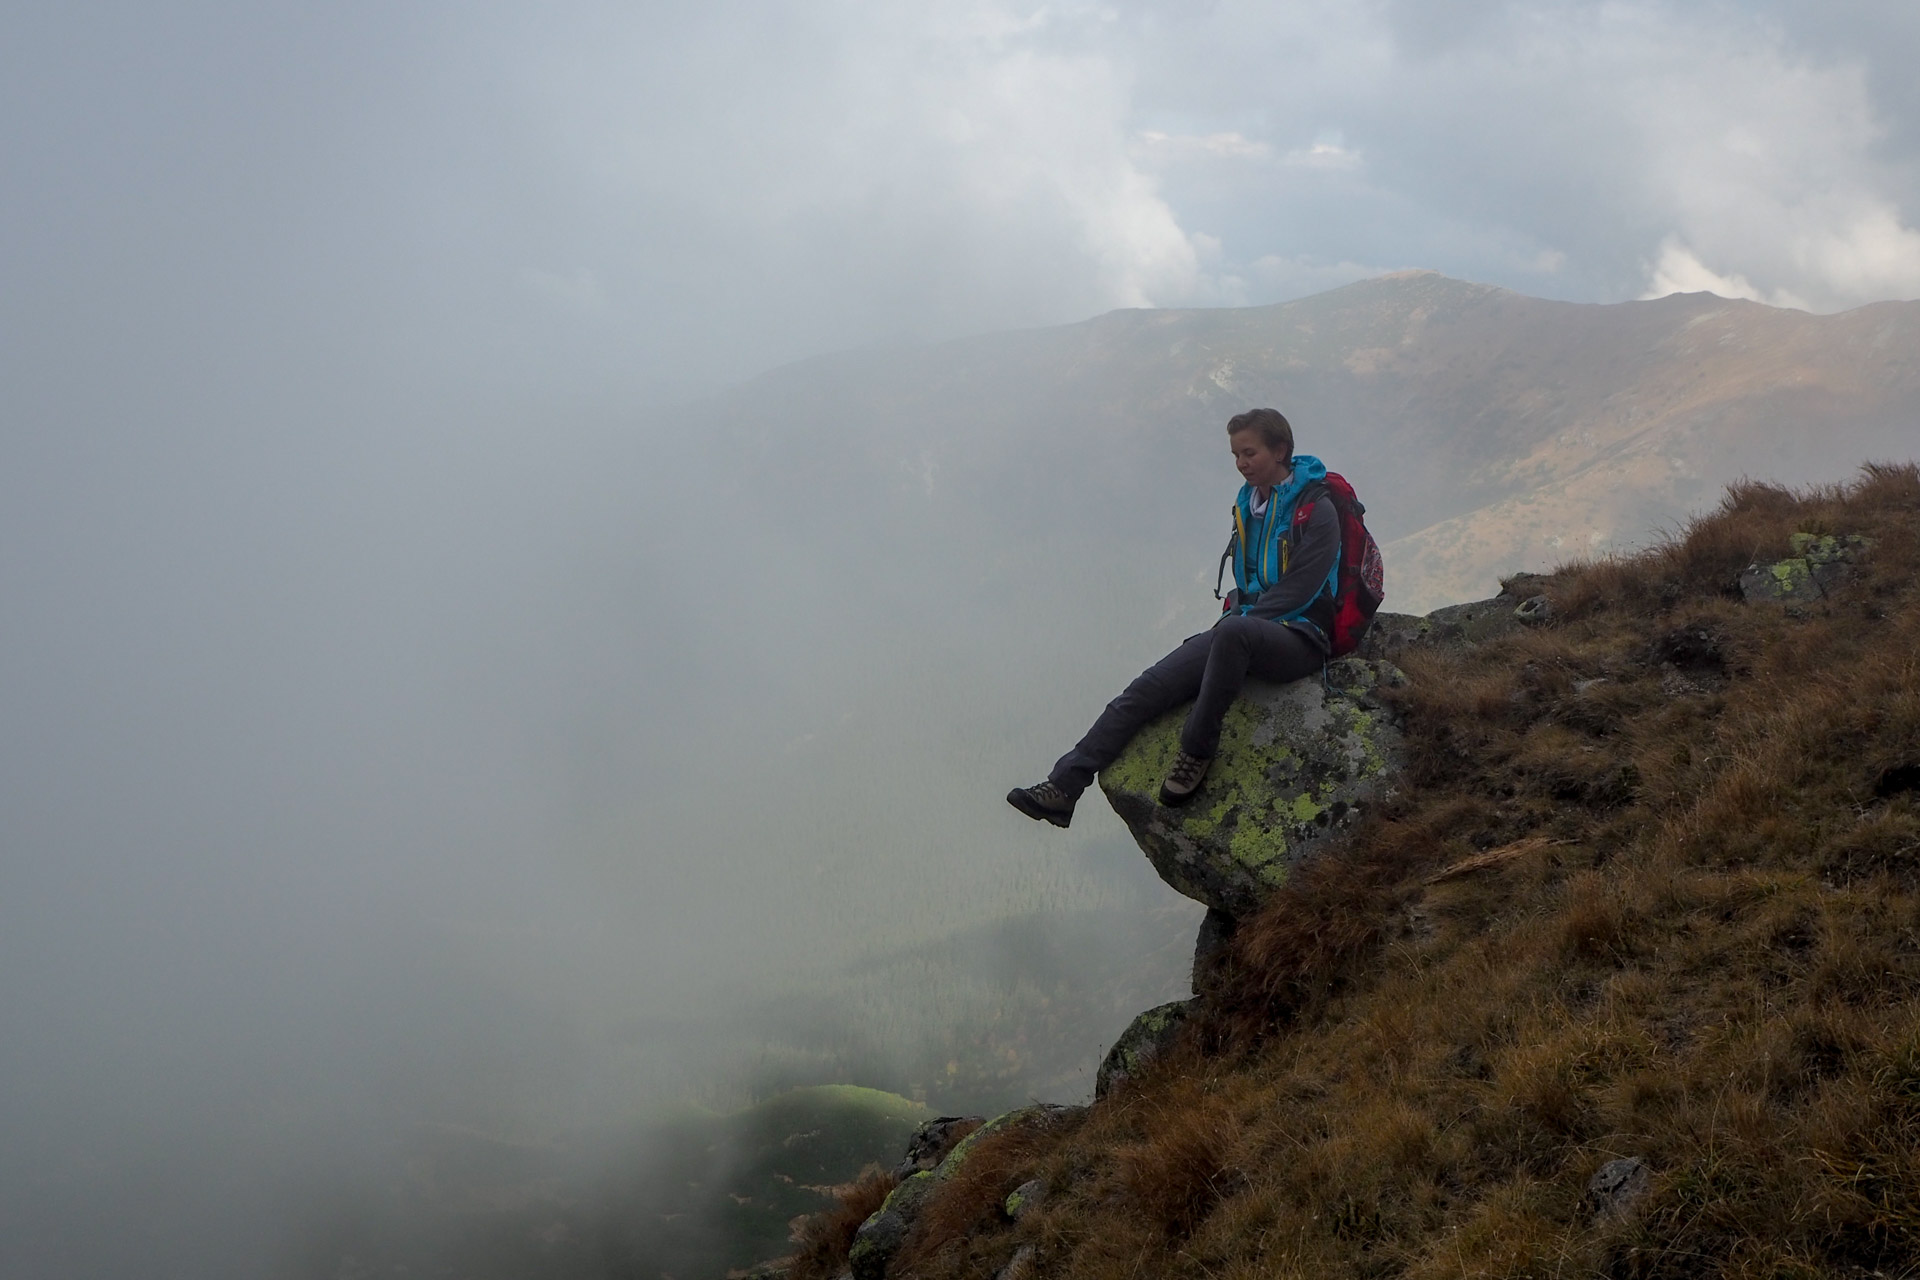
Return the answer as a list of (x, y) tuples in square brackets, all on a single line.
[(1651, 889), (970, 546)]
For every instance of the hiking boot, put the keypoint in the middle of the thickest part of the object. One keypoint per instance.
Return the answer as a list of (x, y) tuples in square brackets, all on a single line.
[(1183, 779), (1045, 801)]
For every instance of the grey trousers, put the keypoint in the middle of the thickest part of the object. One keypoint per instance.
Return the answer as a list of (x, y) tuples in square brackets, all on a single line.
[(1209, 668)]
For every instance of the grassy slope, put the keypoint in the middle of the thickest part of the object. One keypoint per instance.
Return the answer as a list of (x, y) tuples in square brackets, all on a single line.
[(1653, 889)]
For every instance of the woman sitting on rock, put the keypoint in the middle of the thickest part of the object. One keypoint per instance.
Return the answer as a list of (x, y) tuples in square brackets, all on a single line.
[(1286, 556)]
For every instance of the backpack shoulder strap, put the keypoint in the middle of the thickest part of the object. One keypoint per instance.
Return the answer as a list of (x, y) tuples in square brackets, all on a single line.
[(1304, 504)]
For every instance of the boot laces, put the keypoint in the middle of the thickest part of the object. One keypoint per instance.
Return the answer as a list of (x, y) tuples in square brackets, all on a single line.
[(1186, 770)]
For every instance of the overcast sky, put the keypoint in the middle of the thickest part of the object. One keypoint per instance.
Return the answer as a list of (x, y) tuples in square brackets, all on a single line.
[(328, 338), (632, 195)]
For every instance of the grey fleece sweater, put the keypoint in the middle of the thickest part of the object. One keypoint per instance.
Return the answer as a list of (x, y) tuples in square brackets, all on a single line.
[(1314, 551)]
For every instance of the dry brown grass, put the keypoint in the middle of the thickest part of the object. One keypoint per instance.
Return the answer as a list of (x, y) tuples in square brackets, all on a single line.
[(1652, 889), (823, 1240)]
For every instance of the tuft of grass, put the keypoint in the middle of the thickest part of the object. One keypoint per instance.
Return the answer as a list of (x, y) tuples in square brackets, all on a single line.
[(823, 1240)]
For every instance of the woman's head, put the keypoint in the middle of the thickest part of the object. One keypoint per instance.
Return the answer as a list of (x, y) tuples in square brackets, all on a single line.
[(1271, 425), (1262, 445)]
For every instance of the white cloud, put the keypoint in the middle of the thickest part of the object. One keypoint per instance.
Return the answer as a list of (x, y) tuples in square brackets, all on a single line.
[(909, 171), (1609, 148), (1324, 155), (1679, 270), (1766, 163), (1870, 255), (1223, 146), (744, 183)]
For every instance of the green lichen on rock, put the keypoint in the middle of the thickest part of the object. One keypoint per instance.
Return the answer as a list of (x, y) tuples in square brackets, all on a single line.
[(882, 1234), (1818, 563), (1025, 1198), (1826, 548), (1145, 1038), (1296, 763), (1042, 1113)]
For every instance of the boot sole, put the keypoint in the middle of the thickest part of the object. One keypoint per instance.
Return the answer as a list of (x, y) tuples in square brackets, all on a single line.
[(1039, 813)]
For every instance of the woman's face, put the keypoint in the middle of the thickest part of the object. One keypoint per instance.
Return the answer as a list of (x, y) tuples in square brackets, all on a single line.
[(1259, 465)]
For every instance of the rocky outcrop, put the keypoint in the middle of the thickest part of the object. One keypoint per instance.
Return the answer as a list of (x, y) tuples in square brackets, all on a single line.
[(1818, 563), (1210, 948), (1297, 763), (882, 1234), (1145, 1039), (932, 1141), (1460, 626)]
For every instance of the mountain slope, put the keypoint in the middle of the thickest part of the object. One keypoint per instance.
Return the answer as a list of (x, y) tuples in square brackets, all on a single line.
[(924, 570), (1651, 892), (1489, 431)]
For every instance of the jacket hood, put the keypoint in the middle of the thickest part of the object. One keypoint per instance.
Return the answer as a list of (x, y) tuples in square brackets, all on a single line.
[(1307, 470)]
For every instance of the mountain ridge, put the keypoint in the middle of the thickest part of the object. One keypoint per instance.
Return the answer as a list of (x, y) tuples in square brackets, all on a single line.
[(1493, 431)]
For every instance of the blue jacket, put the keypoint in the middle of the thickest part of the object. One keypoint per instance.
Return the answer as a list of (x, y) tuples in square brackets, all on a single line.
[(1282, 571)]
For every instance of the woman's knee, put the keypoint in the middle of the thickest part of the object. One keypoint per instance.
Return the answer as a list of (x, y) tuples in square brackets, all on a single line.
[(1240, 631)]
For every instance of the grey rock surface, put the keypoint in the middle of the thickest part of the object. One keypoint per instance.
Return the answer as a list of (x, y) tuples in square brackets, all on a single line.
[(1210, 947), (1297, 763), (1534, 611), (881, 1235), (932, 1141), (1619, 1186), (1461, 626), (1819, 563), (1025, 1198), (1145, 1038)]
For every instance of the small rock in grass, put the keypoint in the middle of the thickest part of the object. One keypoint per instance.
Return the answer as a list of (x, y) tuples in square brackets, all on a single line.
[(1619, 1186), (1145, 1039), (1025, 1197)]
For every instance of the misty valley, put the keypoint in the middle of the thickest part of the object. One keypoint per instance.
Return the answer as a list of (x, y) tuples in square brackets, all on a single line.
[(966, 548), (612, 860)]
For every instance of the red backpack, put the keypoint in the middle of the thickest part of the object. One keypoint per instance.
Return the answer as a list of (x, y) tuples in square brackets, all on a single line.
[(1360, 588)]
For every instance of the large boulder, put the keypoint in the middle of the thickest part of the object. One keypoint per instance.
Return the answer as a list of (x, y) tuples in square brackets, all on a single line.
[(1461, 626), (1297, 763)]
